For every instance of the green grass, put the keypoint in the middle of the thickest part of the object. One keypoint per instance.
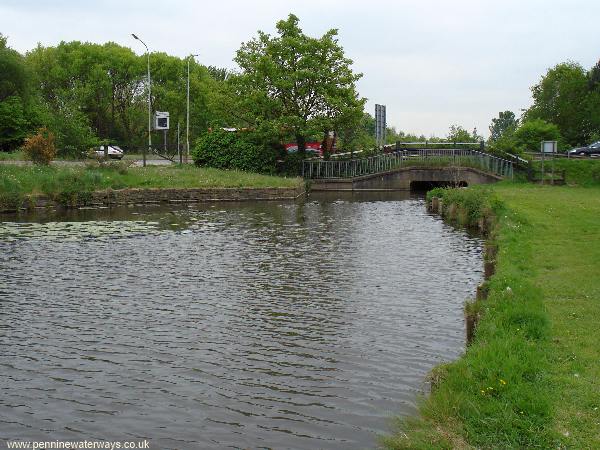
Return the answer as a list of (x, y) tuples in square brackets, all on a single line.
[(12, 156), (566, 256), (530, 378), (17, 182), (19, 155), (581, 172)]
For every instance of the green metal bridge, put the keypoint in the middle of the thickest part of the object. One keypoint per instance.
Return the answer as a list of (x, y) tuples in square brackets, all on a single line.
[(318, 169)]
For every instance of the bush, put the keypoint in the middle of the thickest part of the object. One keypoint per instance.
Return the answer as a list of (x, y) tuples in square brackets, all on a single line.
[(234, 150), (505, 144), (40, 147), (475, 203), (11, 195), (529, 135), (74, 136), (101, 163), (291, 164)]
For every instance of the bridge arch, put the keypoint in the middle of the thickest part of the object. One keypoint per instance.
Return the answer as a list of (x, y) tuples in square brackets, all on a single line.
[(419, 185), (407, 178)]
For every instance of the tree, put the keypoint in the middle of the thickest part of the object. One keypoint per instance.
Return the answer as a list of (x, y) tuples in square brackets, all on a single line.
[(218, 73), (594, 77), (357, 133), (101, 86), (105, 88), (15, 97), (459, 134), (294, 84), (561, 97), (505, 124)]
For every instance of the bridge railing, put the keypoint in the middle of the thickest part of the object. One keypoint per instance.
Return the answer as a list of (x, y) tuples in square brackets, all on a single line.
[(387, 162)]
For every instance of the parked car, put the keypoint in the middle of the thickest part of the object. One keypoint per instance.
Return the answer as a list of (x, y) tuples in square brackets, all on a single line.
[(114, 151), (590, 150)]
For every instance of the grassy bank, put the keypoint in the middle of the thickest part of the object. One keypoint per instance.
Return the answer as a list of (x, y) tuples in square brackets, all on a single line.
[(59, 182), (12, 156), (581, 172), (530, 377)]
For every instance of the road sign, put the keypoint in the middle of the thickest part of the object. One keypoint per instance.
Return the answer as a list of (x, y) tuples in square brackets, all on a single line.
[(161, 120), (380, 124), (549, 147)]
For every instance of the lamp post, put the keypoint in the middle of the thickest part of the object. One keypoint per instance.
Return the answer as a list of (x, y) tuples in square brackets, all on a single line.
[(149, 104), (187, 122)]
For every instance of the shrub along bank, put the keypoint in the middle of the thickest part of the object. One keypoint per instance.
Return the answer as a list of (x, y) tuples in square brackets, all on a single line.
[(529, 377), (67, 184), (241, 150)]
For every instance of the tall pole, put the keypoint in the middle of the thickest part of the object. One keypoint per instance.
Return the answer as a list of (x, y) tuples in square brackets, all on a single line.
[(187, 122), (149, 104)]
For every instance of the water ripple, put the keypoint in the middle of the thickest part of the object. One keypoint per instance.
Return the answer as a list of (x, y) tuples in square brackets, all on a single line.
[(241, 325)]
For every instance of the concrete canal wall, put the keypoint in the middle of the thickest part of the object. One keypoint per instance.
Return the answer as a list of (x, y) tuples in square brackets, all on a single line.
[(111, 197)]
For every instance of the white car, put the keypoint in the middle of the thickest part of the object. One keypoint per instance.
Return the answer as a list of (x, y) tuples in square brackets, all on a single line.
[(114, 152)]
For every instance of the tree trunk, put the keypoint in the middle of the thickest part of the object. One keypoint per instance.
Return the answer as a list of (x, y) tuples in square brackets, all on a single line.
[(111, 128), (328, 143), (324, 145), (301, 141)]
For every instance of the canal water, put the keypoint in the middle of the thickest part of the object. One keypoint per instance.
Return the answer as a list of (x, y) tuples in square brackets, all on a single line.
[(233, 325)]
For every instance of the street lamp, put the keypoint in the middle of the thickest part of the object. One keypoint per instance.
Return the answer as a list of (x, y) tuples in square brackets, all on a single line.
[(187, 130), (149, 104)]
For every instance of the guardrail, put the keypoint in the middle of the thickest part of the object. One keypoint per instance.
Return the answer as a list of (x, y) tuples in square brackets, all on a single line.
[(386, 162), (398, 145)]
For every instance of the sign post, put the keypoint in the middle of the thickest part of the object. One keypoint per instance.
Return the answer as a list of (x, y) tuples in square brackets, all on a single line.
[(161, 122), (380, 125), (548, 147)]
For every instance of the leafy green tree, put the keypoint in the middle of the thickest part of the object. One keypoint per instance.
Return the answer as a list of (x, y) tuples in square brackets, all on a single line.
[(101, 85), (218, 73), (13, 124), (505, 124), (531, 133), (106, 86), (357, 133), (294, 84), (74, 136), (594, 77), (593, 103), (562, 98), (15, 97), (502, 131), (459, 134)]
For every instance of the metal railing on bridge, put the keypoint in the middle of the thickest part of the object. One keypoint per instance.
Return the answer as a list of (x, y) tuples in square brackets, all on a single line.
[(387, 162)]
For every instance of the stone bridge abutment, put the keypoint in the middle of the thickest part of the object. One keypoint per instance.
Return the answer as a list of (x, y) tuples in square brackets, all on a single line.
[(409, 178)]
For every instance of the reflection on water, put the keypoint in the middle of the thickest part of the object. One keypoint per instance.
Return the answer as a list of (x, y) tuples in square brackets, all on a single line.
[(252, 325)]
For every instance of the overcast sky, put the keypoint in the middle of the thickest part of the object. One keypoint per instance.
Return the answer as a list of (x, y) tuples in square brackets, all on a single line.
[(432, 63)]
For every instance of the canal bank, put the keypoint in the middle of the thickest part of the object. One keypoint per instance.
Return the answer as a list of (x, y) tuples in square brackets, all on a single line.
[(529, 378), (31, 187), (119, 197)]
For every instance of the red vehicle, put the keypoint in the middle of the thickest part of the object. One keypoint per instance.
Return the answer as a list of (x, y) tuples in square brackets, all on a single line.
[(311, 148), (315, 148)]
